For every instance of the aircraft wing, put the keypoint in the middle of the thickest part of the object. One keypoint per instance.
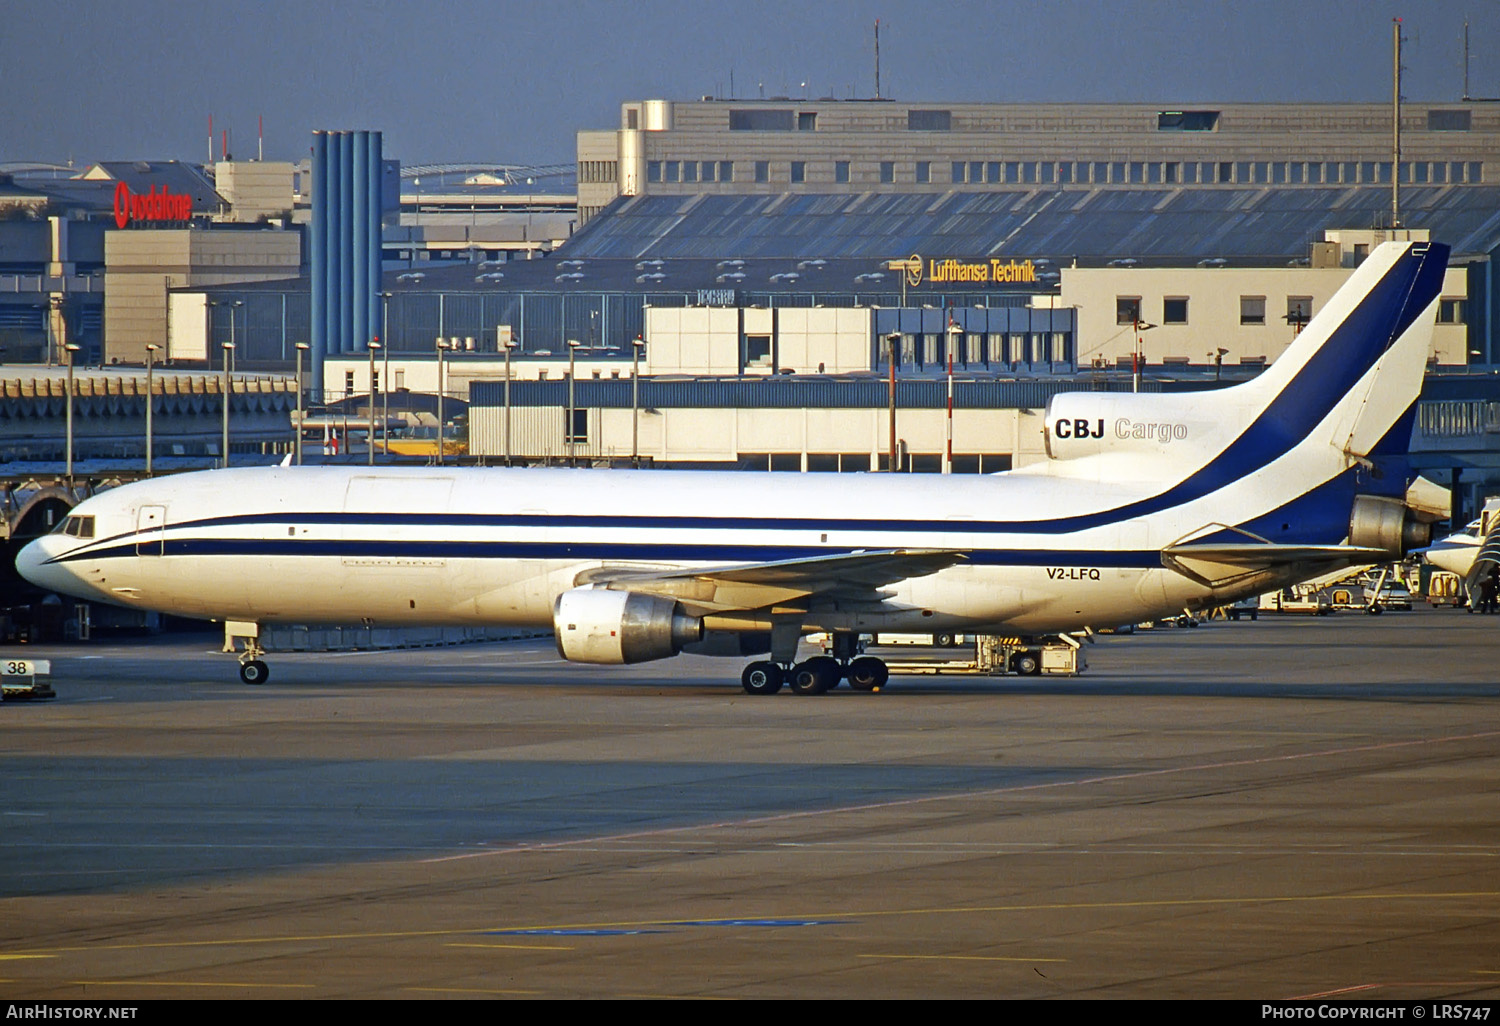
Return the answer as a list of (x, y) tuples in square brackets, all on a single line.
[(1216, 564), (852, 576)]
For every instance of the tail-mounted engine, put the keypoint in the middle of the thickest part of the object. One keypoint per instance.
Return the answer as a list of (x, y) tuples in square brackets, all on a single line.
[(596, 625), (1378, 522)]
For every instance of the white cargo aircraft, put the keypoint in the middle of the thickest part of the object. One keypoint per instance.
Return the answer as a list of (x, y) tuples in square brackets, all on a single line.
[(1146, 505), (1472, 551)]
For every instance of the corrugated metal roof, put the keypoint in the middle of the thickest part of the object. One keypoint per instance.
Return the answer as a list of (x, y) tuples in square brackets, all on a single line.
[(1162, 224)]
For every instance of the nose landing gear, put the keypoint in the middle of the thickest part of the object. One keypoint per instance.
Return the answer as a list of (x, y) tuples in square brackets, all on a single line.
[(253, 669)]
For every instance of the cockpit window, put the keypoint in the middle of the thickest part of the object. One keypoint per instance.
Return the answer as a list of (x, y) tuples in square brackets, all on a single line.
[(77, 526)]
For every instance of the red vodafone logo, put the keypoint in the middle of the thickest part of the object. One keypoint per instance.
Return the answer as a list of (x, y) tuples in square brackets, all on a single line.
[(153, 206)]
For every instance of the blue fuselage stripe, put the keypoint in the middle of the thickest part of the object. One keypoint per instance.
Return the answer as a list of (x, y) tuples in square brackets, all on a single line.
[(677, 552)]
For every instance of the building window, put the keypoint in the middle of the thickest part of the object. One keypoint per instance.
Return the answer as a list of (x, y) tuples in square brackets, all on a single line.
[(959, 172), (757, 350), (653, 170), (762, 170), (841, 171), (924, 172), (760, 120), (348, 383), (929, 120), (669, 171), (726, 170), (579, 430), (1453, 311), (887, 172), (1174, 310), (1187, 121), (689, 170), (1298, 311), (1127, 309), (799, 171), (1448, 120), (1252, 309), (807, 121), (633, 118), (992, 172)]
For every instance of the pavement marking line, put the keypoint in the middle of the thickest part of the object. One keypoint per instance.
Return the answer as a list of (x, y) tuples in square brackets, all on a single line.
[(15, 958), (994, 792), (168, 983), (964, 958), (856, 916), (516, 947), (465, 990)]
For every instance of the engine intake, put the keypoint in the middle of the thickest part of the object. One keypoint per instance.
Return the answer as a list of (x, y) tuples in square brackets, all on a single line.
[(1379, 522), (596, 625)]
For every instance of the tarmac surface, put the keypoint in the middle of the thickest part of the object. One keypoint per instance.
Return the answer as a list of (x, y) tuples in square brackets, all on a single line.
[(1273, 810)]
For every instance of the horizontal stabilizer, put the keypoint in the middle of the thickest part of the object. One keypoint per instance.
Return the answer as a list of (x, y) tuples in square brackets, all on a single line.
[(1217, 564)]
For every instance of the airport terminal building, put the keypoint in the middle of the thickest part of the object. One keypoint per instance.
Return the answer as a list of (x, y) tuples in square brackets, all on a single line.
[(782, 262)]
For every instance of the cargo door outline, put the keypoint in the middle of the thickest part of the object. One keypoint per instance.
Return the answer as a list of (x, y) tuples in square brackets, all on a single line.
[(151, 531)]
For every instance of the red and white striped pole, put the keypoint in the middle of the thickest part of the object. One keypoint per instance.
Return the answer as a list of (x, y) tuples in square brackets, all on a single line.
[(948, 456)]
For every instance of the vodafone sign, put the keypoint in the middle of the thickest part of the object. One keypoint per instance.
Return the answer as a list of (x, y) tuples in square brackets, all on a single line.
[(132, 207)]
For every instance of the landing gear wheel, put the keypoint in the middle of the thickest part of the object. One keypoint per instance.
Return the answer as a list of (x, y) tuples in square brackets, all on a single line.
[(867, 674), (1026, 664), (762, 678), (943, 640), (255, 672), (817, 675), (1375, 609)]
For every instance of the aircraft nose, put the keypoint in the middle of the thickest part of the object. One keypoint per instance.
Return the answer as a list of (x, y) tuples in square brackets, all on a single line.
[(31, 563)]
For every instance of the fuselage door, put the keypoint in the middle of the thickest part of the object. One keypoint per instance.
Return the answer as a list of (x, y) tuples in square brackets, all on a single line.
[(151, 526)]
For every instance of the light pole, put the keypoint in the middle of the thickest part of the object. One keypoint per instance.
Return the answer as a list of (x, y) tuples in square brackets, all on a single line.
[(150, 400), (1139, 357), (635, 400), (509, 345), (891, 342), (955, 334), (441, 345), (302, 347), (568, 424), (72, 351), (228, 355), (370, 421), (385, 373)]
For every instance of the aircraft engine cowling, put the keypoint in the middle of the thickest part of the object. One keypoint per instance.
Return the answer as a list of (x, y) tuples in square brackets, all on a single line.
[(1379, 522), (596, 625)]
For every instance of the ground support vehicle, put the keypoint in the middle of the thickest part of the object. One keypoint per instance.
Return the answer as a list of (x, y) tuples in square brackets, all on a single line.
[(996, 655), (23, 679)]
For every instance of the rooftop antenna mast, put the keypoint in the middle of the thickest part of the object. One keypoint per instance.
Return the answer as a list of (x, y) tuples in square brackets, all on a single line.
[(1466, 58), (877, 58), (1396, 123)]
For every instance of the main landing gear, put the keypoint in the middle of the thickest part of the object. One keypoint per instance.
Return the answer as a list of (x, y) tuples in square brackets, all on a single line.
[(817, 675)]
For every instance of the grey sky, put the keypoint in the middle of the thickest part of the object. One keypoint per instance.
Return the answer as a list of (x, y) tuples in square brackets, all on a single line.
[(450, 80)]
